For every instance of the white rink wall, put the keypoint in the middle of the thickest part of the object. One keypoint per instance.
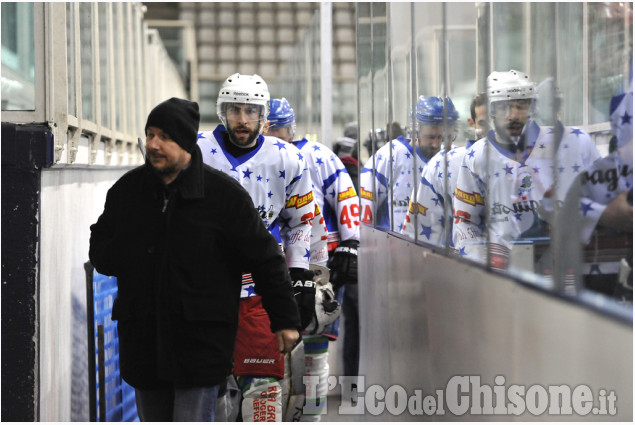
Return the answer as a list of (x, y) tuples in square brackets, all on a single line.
[(73, 199), (426, 318)]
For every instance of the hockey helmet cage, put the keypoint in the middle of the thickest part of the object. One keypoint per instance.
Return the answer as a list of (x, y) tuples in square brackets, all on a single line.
[(508, 85), (248, 89)]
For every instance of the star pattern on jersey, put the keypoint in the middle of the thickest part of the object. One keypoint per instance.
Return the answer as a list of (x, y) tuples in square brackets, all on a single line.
[(471, 153), (213, 151), (626, 118), (319, 161), (300, 156), (259, 178), (284, 222), (269, 195), (308, 253), (426, 231), (200, 136), (247, 174), (316, 148), (586, 207), (250, 290), (280, 145), (577, 132), (508, 169), (462, 251), (282, 174)]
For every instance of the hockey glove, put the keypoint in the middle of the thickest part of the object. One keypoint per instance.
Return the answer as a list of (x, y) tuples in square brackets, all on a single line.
[(304, 291), (343, 264), (327, 309)]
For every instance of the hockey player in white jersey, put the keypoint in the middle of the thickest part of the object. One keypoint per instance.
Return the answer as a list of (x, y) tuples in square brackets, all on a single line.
[(384, 196), (432, 214), (605, 202), (273, 172), (336, 197), (510, 172)]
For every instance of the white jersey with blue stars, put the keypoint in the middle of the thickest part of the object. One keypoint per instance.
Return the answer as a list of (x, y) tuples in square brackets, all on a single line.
[(516, 186), (274, 175), (334, 191), (406, 162), (432, 198)]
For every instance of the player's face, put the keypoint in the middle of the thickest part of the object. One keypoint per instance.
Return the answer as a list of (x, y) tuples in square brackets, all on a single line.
[(243, 123), (511, 116), (165, 155), (283, 133), (479, 124), (430, 138)]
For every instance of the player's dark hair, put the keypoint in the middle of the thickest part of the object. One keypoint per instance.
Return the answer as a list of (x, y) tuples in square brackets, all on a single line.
[(479, 100)]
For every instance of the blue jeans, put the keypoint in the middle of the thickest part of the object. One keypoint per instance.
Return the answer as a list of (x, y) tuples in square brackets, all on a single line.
[(170, 404)]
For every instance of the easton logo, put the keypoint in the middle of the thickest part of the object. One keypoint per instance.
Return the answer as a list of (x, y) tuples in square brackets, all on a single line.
[(301, 201), (349, 193), (469, 198), (420, 208), (366, 194)]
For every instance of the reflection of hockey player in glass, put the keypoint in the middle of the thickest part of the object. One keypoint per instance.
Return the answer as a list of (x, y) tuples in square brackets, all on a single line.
[(336, 198), (606, 209), (511, 172), (390, 193), (431, 197), (273, 173)]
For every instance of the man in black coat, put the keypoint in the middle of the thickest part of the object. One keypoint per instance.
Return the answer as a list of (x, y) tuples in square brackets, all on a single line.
[(178, 235)]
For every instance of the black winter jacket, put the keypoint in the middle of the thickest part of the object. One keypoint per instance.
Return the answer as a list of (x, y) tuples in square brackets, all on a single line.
[(178, 252)]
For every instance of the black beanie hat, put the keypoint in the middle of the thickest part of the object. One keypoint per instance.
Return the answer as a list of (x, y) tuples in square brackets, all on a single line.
[(179, 118)]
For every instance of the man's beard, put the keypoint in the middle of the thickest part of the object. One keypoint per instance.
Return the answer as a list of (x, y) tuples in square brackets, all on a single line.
[(506, 131), (429, 151), (166, 170), (233, 137)]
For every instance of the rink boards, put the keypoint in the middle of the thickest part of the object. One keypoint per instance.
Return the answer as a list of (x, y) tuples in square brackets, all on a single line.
[(429, 320)]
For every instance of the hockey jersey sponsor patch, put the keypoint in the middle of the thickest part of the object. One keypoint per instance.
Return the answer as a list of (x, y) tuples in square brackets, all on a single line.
[(349, 193), (420, 209), (365, 194), (299, 201), (469, 198)]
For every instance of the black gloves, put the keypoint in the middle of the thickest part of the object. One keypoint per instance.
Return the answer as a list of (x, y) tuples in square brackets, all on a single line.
[(304, 291), (343, 264)]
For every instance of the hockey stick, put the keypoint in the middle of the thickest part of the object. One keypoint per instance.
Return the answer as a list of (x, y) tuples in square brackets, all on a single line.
[(142, 148)]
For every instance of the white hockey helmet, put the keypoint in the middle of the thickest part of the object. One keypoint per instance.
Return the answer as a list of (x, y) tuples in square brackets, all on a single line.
[(508, 85), (246, 89)]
